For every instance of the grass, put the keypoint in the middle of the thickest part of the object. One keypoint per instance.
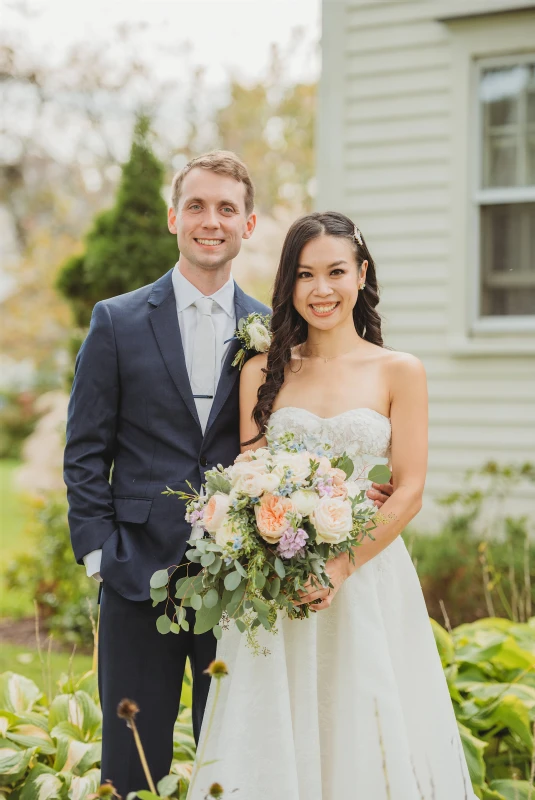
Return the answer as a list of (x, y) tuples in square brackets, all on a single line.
[(25, 661), (13, 519)]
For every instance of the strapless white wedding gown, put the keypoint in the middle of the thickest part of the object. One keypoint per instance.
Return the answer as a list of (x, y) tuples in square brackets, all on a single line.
[(350, 704)]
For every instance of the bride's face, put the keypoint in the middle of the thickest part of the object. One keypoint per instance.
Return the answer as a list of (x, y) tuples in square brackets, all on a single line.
[(327, 281)]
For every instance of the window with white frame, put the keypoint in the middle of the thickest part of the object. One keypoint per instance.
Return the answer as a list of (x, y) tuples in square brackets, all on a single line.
[(506, 195)]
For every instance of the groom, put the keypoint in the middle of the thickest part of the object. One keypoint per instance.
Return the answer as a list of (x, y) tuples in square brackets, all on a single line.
[(155, 403)]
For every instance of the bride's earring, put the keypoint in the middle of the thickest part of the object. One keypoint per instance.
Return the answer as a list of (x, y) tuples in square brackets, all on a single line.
[(363, 286)]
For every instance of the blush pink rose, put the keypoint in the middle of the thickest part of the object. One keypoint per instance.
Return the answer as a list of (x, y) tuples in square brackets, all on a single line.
[(271, 516), (215, 511), (333, 519)]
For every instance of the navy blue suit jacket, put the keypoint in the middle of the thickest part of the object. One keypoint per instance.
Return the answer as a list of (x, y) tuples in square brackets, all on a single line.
[(132, 414)]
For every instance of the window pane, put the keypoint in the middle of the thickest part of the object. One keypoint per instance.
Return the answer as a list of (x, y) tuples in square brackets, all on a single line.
[(508, 259), (507, 97)]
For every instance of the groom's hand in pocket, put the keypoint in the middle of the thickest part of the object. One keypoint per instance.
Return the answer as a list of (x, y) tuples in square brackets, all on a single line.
[(380, 492)]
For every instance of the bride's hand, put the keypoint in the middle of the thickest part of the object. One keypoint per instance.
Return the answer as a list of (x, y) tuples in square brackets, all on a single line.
[(338, 570)]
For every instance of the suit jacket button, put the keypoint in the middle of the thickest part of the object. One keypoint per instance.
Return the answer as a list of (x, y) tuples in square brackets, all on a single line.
[(203, 461)]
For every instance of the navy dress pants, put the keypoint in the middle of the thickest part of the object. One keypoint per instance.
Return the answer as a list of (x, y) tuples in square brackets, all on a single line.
[(137, 662)]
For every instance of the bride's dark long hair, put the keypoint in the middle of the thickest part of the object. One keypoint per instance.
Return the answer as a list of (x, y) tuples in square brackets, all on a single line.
[(287, 326)]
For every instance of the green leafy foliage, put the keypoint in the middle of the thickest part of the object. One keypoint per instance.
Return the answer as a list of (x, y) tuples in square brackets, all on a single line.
[(52, 748), (490, 668), (128, 245), (479, 564), (18, 417), (51, 577)]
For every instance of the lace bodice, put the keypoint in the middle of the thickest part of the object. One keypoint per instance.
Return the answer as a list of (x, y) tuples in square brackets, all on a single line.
[(358, 432)]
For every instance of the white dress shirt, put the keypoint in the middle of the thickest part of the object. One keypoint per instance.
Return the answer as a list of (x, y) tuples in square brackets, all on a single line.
[(224, 319)]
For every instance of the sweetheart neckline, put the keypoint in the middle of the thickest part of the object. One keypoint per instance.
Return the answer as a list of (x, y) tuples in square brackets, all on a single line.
[(336, 416)]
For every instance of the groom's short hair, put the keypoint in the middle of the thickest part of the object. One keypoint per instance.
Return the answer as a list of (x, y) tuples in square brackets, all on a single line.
[(223, 162)]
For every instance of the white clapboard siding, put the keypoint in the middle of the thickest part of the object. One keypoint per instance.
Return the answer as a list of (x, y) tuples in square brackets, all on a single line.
[(385, 158)]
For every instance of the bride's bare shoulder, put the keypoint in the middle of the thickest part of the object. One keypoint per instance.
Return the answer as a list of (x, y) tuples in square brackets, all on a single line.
[(403, 370), (253, 370)]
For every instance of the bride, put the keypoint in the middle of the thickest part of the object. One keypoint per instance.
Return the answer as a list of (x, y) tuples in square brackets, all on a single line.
[(351, 703)]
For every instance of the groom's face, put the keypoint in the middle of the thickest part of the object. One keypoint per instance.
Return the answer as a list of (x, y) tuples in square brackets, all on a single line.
[(211, 220)]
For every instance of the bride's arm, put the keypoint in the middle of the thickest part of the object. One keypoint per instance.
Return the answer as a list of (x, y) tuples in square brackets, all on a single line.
[(408, 414), (251, 378)]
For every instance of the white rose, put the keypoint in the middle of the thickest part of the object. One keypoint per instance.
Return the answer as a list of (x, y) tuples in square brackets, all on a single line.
[(299, 463), (225, 533), (332, 519), (324, 465), (253, 479), (259, 336), (215, 511), (305, 501)]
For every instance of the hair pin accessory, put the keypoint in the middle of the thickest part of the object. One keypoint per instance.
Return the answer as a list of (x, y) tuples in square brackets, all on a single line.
[(358, 236)]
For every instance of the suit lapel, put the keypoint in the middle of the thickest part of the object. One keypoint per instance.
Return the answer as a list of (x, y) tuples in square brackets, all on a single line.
[(164, 321), (229, 374)]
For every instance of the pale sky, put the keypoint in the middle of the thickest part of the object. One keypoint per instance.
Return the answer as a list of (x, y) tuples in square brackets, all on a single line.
[(222, 34)]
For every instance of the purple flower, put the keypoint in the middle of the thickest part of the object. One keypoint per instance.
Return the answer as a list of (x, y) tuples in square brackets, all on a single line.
[(292, 543)]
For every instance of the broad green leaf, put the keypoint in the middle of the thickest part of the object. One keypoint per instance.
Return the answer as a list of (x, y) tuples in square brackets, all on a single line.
[(184, 624), (511, 656), (275, 587), (175, 627), (13, 763), (80, 756), (158, 595), (210, 598), (513, 790), (444, 643), (82, 786), (196, 601), (159, 579), (187, 588), (208, 558), (346, 465), (17, 694), (42, 783), (80, 710), (380, 473), (163, 624), (473, 751), (167, 785), (260, 580), (28, 735), (510, 712), (144, 794), (232, 580), (279, 568), (207, 618), (193, 555), (216, 482)]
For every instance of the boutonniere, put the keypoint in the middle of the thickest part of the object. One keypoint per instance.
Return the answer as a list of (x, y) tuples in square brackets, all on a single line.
[(254, 334)]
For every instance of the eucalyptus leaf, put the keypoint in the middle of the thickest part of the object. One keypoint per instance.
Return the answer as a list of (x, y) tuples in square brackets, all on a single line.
[(208, 558), (159, 579), (184, 624), (279, 568), (379, 474), (259, 605), (210, 598), (215, 566), (163, 624), (260, 580), (196, 601), (217, 631), (158, 595), (275, 587), (175, 627), (240, 624), (239, 568), (207, 618), (265, 569), (193, 555), (232, 580)]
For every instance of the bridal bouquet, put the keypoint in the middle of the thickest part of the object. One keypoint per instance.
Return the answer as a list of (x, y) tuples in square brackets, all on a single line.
[(261, 528)]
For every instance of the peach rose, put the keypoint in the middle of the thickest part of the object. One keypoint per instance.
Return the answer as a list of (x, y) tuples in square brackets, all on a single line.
[(332, 519), (339, 491), (338, 476), (271, 516), (215, 511)]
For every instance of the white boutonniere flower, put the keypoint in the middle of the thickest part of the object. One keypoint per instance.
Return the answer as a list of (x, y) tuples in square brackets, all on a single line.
[(254, 334)]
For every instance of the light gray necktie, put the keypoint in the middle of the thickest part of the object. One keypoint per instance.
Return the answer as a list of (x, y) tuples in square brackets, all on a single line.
[(203, 362)]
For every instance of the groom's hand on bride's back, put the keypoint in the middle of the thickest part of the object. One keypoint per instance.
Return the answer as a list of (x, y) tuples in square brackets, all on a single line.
[(380, 492)]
